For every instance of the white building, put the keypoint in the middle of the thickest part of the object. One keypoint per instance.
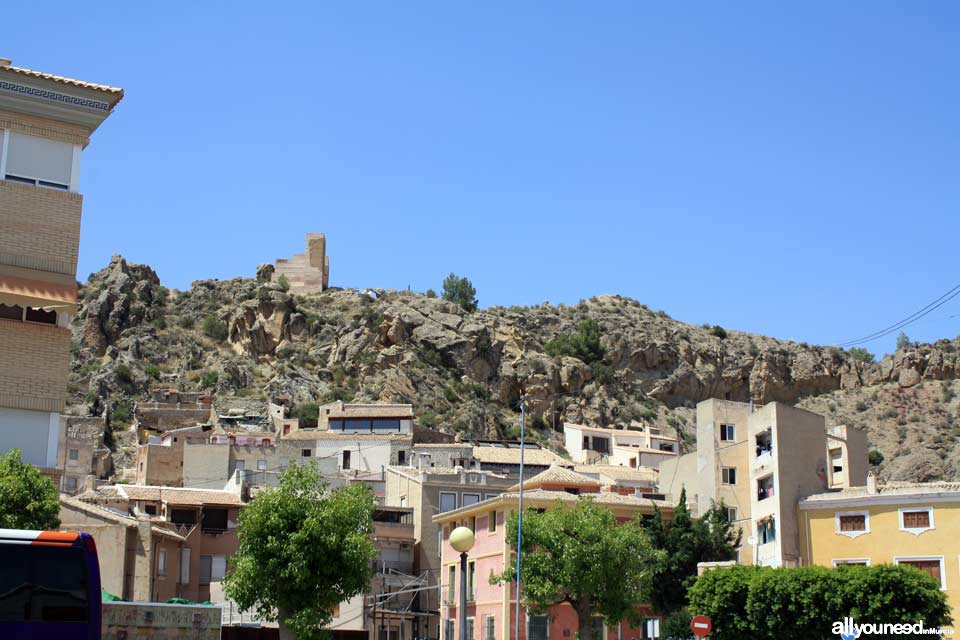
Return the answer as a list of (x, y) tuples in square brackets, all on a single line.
[(644, 447)]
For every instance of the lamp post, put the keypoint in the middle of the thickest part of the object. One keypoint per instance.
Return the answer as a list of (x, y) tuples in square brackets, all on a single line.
[(462, 539)]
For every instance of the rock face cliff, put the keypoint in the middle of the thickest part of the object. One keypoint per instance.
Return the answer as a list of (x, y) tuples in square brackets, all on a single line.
[(465, 372)]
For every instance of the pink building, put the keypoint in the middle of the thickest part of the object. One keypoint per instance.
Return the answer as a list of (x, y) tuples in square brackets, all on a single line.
[(491, 610)]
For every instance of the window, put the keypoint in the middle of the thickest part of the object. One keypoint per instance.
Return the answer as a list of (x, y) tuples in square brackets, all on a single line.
[(728, 432), (596, 625), (71, 484), (765, 488), (241, 465), (261, 465), (39, 161), (452, 583), (212, 568), (538, 627), (728, 475), (470, 498), (852, 523), (346, 459), (150, 509), (162, 562), (601, 445), (401, 457), (489, 628), (41, 316), (471, 575), (214, 520), (305, 453), (185, 565), (473, 524), (492, 522), (206, 569), (183, 516), (11, 312), (651, 628), (731, 514), (586, 442), (469, 628), (74, 454), (448, 501), (859, 562), (932, 565), (767, 530), (916, 521), (448, 629)]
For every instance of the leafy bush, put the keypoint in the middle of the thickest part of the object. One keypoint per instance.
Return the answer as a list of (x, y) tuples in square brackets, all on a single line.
[(948, 393), (903, 342), (602, 373), (801, 603), (875, 457), (122, 413), (718, 331), (860, 354), (215, 328), (753, 349), (209, 379), (307, 413), (460, 291), (283, 282), (431, 293), (861, 406), (153, 371), (585, 345), (123, 374), (186, 322), (161, 296)]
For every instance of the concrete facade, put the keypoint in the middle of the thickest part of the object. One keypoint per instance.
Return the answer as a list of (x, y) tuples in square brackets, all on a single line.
[(635, 447), (45, 123), (760, 462), (82, 452)]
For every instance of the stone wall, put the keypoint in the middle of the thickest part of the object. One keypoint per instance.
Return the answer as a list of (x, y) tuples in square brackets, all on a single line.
[(155, 621), (307, 272)]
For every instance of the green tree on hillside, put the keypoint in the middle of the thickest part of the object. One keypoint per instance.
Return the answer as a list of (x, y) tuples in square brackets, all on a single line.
[(860, 354), (303, 550), (903, 342), (581, 556), (28, 499), (686, 542), (460, 291), (585, 344)]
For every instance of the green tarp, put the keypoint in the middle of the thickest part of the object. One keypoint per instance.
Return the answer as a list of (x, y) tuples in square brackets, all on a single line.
[(106, 596)]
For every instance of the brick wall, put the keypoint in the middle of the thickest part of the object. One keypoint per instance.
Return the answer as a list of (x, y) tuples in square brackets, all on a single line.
[(39, 228), (34, 364)]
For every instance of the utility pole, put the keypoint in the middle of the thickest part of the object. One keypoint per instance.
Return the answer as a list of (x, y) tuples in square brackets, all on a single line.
[(523, 421)]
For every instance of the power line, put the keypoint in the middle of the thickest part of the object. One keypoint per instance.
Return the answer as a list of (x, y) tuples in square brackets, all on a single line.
[(929, 308)]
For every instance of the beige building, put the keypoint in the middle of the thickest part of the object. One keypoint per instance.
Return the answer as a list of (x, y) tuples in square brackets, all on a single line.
[(760, 462), (429, 491), (138, 560), (307, 272), (45, 124), (82, 453), (637, 446)]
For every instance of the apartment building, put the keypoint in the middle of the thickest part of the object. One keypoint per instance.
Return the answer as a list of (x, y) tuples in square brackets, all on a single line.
[(760, 462), (491, 609), (45, 124), (82, 453), (638, 446), (897, 523), (429, 491)]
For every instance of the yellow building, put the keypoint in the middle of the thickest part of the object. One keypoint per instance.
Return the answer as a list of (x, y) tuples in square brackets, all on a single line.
[(899, 523)]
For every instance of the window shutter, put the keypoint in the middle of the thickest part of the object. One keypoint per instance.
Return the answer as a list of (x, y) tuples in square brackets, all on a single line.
[(39, 158)]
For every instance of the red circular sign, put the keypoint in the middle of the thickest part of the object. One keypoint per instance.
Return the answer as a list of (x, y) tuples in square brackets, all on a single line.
[(701, 626)]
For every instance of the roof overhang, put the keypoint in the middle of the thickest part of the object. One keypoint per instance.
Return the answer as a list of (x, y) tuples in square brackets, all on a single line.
[(63, 100), (49, 296)]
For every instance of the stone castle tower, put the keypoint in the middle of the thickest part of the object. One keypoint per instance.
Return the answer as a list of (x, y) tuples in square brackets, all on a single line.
[(307, 272)]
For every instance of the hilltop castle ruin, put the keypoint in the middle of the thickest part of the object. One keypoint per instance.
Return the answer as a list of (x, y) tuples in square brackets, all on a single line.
[(307, 272)]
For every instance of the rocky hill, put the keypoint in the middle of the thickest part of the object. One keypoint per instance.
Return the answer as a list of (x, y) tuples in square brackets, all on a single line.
[(465, 372)]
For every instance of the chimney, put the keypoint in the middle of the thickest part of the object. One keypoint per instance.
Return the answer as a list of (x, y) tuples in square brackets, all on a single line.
[(871, 484)]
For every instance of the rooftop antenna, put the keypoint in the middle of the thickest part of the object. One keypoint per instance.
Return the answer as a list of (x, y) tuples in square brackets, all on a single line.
[(523, 421)]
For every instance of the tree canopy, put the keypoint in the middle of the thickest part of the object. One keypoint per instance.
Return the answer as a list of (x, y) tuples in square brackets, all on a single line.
[(460, 291), (804, 603), (28, 499), (303, 550), (686, 542), (580, 555), (585, 344)]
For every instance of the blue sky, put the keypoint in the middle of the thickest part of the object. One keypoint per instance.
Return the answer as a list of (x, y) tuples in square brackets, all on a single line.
[(788, 170)]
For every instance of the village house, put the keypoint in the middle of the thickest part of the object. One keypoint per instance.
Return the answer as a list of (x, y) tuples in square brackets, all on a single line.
[(45, 124), (760, 462), (638, 446), (82, 452), (170, 409), (429, 491), (205, 519), (504, 456), (138, 559), (491, 609)]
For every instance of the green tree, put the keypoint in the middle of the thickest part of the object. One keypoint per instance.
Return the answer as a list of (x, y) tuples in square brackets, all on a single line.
[(860, 354), (28, 499), (803, 603), (431, 293), (686, 542), (215, 328), (283, 282), (585, 344), (303, 550), (581, 556), (461, 291), (903, 342)]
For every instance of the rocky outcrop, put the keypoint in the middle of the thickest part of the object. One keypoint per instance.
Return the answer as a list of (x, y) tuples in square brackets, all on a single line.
[(117, 298)]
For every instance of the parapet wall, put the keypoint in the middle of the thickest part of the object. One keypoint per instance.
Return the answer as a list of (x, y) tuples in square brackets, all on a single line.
[(156, 621)]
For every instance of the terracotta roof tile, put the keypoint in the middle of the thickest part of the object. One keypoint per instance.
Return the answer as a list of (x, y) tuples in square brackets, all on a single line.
[(557, 475), (504, 455), (115, 517), (63, 80), (177, 495), (619, 473)]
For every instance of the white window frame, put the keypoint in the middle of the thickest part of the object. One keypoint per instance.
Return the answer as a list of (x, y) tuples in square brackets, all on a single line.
[(463, 499), (723, 432), (734, 511), (455, 500), (916, 530), (725, 482), (836, 562), (943, 572), (261, 465), (162, 562), (852, 534)]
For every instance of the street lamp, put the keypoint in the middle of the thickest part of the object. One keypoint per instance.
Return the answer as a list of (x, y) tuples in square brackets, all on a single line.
[(462, 539)]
